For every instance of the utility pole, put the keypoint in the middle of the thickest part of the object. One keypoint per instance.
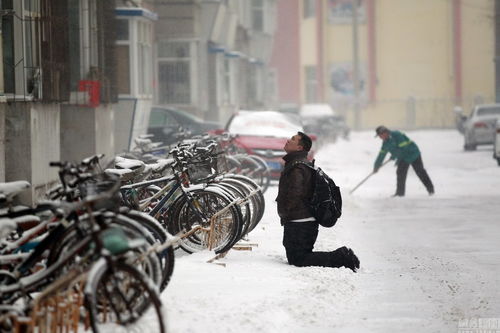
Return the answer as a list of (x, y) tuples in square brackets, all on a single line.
[(355, 64), (497, 50)]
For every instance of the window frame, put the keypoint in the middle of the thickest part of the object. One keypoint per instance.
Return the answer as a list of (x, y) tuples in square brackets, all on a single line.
[(140, 46), (258, 10), (191, 60), (27, 68)]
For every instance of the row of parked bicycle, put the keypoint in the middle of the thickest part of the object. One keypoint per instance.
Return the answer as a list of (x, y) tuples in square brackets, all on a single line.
[(96, 254)]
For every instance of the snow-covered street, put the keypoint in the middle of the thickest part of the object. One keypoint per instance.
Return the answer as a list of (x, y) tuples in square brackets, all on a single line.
[(426, 262)]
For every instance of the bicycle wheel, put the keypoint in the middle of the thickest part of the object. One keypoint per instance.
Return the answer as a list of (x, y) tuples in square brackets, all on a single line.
[(261, 203), (119, 298), (167, 258), (226, 229), (263, 173), (151, 265), (245, 208), (251, 205)]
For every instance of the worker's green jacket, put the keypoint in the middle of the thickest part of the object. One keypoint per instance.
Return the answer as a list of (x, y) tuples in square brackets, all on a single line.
[(400, 147)]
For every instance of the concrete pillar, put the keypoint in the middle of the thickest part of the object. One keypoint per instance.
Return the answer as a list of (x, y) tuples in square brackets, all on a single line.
[(86, 131), (31, 142), (2, 142)]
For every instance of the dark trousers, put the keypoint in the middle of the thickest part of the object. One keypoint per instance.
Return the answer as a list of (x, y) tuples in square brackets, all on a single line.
[(299, 239), (402, 172)]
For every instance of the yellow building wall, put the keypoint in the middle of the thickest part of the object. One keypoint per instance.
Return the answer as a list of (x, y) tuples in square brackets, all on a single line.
[(478, 43), (414, 61), (308, 49)]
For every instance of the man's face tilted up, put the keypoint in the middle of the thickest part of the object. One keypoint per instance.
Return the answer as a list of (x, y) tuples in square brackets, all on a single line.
[(293, 144)]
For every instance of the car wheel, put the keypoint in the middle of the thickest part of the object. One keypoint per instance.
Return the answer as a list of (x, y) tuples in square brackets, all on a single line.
[(469, 147)]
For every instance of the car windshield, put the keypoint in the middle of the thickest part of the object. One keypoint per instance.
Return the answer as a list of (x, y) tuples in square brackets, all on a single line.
[(489, 111), (263, 123)]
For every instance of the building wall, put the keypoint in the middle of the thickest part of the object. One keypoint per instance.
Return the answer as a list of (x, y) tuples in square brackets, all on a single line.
[(104, 128), (2, 142), (415, 78), (286, 52), (77, 132), (87, 131), (123, 116), (32, 141), (478, 49), (141, 118)]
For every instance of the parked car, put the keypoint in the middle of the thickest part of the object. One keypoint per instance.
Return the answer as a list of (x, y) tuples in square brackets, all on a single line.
[(480, 126), (323, 121), (166, 124), (340, 126), (264, 133), (496, 147)]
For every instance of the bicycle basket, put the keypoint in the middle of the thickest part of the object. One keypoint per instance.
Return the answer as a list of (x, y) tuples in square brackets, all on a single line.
[(221, 163), (101, 184), (200, 170)]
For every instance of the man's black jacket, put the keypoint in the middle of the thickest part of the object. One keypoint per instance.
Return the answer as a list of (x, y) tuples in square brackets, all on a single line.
[(295, 188)]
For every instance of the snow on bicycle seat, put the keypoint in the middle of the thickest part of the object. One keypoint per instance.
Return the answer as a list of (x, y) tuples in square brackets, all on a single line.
[(126, 163), (161, 164), (11, 189), (6, 227), (124, 174)]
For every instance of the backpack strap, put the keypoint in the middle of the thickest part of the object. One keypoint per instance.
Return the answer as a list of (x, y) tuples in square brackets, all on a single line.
[(295, 163)]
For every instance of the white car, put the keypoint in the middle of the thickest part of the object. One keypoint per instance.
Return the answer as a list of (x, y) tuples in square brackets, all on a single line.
[(480, 126), (320, 119), (496, 149)]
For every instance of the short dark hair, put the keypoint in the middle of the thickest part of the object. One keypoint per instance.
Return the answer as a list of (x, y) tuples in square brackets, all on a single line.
[(305, 141), (381, 129)]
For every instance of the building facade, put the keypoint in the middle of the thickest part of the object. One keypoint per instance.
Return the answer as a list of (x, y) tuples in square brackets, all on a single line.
[(135, 43), (212, 57), (416, 60), (57, 86)]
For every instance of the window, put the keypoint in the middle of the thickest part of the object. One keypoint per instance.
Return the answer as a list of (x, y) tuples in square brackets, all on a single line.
[(21, 39), (174, 64), (309, 8), (122, 30), (144, 44), (123, 69), (134, 56), (311, 84), (162, 118), (258, 15), (88, 37), (123, 56), (84, 41)]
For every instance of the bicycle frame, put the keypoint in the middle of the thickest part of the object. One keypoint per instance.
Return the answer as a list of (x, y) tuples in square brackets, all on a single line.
[(41, 277)]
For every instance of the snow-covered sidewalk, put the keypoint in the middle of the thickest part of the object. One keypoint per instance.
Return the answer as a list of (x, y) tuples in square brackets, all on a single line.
[(426, 262)]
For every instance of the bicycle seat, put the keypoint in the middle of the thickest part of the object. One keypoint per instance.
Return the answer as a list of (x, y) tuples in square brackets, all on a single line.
[(124, 174), (126, 163), (6, 227), (11, 189), (161, 164)]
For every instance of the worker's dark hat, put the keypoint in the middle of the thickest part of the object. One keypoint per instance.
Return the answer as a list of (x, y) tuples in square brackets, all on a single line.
[(381, 129)]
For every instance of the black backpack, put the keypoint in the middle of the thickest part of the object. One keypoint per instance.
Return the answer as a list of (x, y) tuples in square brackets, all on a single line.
[(326, 201)]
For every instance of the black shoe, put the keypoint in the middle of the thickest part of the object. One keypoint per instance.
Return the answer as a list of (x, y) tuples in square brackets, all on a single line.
[(431, 193), (351, 261), (397, 195)]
